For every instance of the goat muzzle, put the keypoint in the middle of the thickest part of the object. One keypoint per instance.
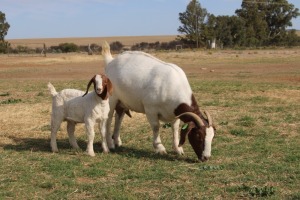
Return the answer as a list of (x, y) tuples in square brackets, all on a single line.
[(203, 159)]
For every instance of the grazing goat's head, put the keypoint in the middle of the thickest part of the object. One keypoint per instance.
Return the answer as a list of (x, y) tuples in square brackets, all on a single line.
[(200, 133), (102, 86)]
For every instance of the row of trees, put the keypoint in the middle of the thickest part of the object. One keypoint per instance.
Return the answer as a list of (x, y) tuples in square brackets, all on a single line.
[(92, 48), (256, 23)]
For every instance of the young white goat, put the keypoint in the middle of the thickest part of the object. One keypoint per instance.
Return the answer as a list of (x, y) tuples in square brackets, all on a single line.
[(75, 106)]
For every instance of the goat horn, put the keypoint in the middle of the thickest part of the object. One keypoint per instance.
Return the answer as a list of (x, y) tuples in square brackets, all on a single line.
[(210, 122), (196, 117)]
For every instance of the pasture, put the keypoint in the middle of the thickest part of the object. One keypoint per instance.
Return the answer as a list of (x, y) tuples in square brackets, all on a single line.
[(252, 95)]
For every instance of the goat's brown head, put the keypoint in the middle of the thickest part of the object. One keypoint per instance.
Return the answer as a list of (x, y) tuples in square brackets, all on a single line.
[(199, 132), (102, 86)]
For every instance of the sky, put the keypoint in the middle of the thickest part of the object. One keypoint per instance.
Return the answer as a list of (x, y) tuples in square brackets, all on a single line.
[(105, 18)]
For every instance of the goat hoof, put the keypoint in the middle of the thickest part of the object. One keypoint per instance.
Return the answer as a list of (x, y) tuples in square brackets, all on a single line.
[(106, 151), (164, 152), (92, 154), (118, 143), (110, 144), (179, 151), (55, 150), (161, 151)]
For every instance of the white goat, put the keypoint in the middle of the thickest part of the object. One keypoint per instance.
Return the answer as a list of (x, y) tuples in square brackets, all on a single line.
[(75, 106), (144, 84)]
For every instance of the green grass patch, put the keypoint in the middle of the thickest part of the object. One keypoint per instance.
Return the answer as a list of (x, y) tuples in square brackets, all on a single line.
[(246, 121), (11, 101), (238, 132)]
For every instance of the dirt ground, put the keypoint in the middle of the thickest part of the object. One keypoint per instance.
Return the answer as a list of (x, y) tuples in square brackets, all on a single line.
[(281, 65)]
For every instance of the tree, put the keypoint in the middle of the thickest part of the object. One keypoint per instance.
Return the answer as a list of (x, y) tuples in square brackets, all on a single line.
[(4, 26), (227, 30), (255, 23), (279, 14), (267, 20), (193, 20)]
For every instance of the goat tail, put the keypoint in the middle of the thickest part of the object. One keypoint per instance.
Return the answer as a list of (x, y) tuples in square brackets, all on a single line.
[(106, 53), (52, 89)]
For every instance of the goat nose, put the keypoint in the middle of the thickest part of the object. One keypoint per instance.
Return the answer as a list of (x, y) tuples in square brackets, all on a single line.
[(99, 90), (204, 158)]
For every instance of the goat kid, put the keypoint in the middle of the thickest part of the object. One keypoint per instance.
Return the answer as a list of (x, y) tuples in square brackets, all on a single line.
[(75, 106)]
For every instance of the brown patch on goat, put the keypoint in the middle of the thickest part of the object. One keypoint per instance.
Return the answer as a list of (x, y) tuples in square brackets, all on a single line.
[(107, 83), (185, 132), (196, 134), (194, 108)]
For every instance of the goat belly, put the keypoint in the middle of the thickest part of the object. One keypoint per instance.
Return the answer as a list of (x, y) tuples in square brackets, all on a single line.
[(77, 120), (75, 114)]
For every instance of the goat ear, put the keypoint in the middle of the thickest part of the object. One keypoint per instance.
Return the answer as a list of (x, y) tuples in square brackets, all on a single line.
[(89, 85), (109, 87), (185, 130)]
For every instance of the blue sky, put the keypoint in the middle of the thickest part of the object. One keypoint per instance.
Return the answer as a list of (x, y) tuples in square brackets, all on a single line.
[(102, 18)]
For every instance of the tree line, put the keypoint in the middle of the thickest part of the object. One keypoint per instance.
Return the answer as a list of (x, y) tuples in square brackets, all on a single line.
[(115, 47), (257, 23)]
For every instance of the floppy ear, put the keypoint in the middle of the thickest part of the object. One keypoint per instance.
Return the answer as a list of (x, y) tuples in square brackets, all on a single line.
[(109, 87), (89, 84), (185, 130)]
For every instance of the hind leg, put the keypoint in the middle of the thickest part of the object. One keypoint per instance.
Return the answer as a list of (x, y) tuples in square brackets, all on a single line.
[(116, 136), (112, 106), (55, 125), (71, 130)]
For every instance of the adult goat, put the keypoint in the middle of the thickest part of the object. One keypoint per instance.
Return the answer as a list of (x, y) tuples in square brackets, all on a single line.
[(145, 84)]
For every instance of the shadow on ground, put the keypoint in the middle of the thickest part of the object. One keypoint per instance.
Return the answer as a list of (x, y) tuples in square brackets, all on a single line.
[(43, 145)]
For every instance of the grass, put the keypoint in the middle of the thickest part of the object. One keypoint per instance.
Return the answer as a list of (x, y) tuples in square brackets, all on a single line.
[(255, 153)]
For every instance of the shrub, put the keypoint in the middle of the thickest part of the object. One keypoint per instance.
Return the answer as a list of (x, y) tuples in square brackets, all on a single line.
[(116, 46), (68, 47)]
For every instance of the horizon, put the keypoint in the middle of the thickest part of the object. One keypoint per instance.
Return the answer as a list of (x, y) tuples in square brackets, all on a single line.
[(105, 18)]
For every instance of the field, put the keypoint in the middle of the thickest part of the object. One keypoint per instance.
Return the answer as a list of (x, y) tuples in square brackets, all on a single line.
[(126, 41), (252, 95)]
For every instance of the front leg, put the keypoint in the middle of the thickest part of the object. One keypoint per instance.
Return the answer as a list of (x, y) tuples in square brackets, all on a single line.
[(175, 129), (102, 128), (157, 144), (90, 135)]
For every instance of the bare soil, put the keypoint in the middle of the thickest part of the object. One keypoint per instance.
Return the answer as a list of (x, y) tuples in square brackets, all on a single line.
[(281, 65)]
